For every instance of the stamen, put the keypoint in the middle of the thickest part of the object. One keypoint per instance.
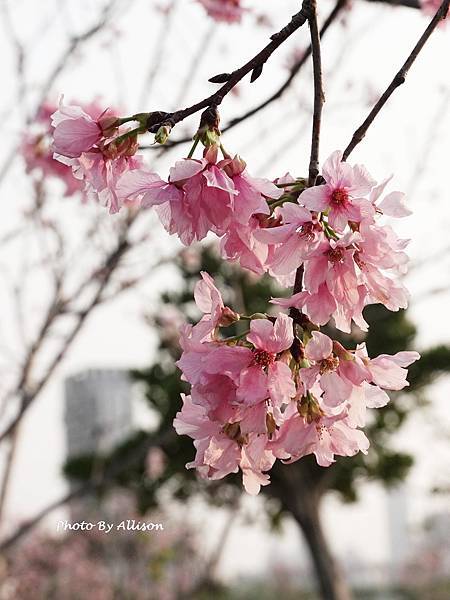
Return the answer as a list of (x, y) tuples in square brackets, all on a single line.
[(263, 358), (339, 197)]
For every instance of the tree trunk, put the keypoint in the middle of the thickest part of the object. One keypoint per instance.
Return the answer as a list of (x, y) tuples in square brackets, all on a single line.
[(330, 578), (300, 488)]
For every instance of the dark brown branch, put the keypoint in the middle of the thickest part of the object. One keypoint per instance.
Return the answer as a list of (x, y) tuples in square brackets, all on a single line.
[(293, 72), (257, 62), (27, 394), (319, 100), (405, 3), (295, 69), (398, 80), (319, 97), (340, 4)]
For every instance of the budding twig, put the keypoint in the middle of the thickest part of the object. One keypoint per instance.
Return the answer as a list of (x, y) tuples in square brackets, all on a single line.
[(398, 80), (254, 65), (295, 69)]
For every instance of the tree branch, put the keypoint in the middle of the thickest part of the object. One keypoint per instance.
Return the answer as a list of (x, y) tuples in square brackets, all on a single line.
[(319, 97), (293, 72), (398, 80), (254, 66)]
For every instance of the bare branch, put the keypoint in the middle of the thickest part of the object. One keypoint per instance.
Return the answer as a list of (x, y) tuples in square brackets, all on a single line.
[(295, 69), (319, 97), (277, 39), (398, 80)]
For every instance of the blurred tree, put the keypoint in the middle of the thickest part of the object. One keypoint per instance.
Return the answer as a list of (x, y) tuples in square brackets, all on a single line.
[(95, 565), (296, 489)]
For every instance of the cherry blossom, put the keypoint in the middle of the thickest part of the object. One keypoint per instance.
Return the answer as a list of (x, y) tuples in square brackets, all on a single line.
[(253, 399), (229, 11), (280, 389), (203, 195), (343, 193), (75, 131)]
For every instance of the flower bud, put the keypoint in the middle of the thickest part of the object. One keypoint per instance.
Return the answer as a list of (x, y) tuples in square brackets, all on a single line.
[(228, 317), (162, 135), (342, 352), (258, 316), (309, 408), (108, 124)]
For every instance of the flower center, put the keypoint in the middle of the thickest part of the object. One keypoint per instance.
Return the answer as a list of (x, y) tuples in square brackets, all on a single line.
[(339, 197), (335, 255), (307, 231), (328, 364), (263, 358), (233, 431)]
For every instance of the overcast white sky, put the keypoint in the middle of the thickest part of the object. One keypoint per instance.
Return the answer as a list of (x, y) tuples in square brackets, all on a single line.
[(409, 139)]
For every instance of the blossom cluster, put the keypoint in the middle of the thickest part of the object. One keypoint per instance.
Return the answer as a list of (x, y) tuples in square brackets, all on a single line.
[(276, 391), (97, 148), (253, 401), (331, 230), (228, 11)]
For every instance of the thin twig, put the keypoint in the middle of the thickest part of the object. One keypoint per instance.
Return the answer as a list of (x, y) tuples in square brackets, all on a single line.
[(319, 100), (398, 80), (295, 69), (26, 393), (254, 66), (319, 97)]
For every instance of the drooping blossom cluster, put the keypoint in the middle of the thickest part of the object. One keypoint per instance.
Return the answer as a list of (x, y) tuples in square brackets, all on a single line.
[(97, 149), (276, 391), (253, 401), (205, 195), (332, 230), (228, 11), (349, 258)]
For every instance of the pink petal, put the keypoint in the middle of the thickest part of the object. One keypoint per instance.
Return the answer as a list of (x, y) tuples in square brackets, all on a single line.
[(252, 387), (280, 383), (394, 205), (315, 198), (185, 169), (319, 346)]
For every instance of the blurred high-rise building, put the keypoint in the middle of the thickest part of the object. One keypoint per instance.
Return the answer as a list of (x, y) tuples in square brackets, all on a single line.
[(97, 411)]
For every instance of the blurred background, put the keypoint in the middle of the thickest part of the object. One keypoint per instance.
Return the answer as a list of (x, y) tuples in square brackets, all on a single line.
[(91, 306)]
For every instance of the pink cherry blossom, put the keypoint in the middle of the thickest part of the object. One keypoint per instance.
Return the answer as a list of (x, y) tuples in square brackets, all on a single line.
[(392, 205), (229, 11), (223, 449), (343, 193), (325, 438), (209, 300), (293, 240), (101, 175), (75, 131), (389, 372), (241, 244)]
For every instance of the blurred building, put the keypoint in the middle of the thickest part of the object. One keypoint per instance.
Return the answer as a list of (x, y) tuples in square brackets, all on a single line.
[(98, 412), (399, 535)]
